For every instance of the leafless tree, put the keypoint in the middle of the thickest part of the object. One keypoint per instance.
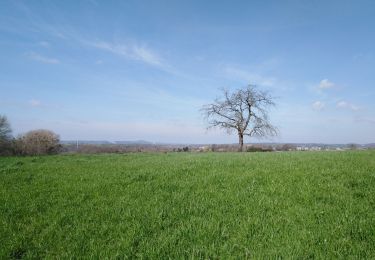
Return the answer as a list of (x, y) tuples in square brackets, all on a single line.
[(38, 142), (244, 111)]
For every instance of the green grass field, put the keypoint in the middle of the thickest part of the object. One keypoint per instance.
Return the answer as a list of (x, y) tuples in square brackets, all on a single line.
[(186, 205)]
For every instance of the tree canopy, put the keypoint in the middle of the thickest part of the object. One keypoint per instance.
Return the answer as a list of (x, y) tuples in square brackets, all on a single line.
[(244, 111)]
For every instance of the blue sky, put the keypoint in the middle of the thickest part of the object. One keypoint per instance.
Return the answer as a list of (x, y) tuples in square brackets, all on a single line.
[(128, 70)]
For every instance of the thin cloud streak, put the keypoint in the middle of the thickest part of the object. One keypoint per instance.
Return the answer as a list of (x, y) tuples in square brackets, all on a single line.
[(135, 52), (43, 59), (131, 51)]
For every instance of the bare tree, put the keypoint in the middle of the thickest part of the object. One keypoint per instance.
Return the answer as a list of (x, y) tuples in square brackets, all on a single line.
[(244, 111)]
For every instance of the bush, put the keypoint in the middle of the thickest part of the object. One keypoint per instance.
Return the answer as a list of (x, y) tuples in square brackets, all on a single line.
[(286, 147), (184, 149), (258, 149), (38, 142), (94, 149)]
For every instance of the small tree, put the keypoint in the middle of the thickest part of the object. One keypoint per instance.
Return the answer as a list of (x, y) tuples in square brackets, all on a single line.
[(5, 136), (244, 111), (38, 142)]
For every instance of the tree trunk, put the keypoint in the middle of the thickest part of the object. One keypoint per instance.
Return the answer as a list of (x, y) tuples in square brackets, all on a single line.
[(240, 142)]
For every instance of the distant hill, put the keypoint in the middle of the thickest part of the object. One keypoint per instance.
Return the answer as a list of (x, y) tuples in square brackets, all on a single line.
[(143, 142), (85, 142), (147, 143), (100, 142)]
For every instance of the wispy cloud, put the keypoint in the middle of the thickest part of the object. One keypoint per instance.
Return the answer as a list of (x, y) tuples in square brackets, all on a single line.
[(43, 59), (132, 51), (136, 52), (347, 105), (325, 84), (145, 55), (253, 78), (318, 105)]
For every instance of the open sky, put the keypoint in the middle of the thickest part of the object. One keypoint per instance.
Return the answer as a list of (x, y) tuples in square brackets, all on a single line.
[(129, 70)]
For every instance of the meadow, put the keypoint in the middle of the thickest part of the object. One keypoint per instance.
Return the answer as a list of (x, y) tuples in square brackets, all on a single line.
[(189, 205)]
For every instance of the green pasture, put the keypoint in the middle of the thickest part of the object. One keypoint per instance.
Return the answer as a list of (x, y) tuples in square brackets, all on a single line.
[(189, 205)]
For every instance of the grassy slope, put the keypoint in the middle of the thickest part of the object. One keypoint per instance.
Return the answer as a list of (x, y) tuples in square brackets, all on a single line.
[(181, 205)]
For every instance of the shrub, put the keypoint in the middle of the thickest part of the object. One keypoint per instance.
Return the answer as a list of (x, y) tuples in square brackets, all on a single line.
[(38, 142), (286, 147), (258, 149)]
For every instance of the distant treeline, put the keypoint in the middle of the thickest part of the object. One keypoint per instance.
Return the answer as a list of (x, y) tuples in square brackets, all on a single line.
[(43, 142), (118, 148)]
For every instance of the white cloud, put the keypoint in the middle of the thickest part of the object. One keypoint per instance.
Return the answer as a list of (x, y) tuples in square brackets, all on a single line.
[(253, 78), (325, 84), (318, 105), (132, 51), (146, 55), (34, 103), (43, 59), (347, 105)]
